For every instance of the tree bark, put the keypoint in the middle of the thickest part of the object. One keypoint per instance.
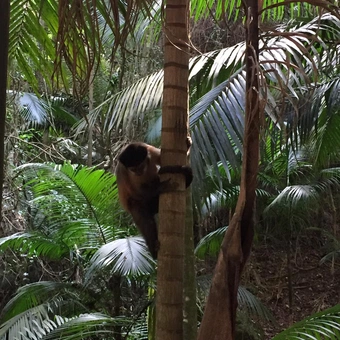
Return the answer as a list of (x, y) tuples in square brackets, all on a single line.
[(190, 306), (4, 33), (90, 126), (219, 319), (169, 299), (114, 285)]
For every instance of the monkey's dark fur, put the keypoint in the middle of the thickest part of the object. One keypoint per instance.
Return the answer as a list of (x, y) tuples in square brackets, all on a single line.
[(139, 187)]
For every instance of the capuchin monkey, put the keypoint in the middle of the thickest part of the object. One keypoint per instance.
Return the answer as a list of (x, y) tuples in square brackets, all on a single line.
[(139, 187)]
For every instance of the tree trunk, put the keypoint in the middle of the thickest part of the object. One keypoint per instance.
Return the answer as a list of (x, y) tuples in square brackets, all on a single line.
[(115, 288), (90, 126), (4, 33), (190, 306), (219, 319), (169, 299)]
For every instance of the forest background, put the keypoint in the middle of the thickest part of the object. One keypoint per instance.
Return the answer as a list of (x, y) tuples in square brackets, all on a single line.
[(84, 81)]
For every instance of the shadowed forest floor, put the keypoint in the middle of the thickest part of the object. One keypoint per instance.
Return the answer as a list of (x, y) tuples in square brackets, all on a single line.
[(313, 286)]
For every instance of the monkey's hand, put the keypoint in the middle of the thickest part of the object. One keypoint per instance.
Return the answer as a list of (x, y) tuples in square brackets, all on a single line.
[(178, 169)]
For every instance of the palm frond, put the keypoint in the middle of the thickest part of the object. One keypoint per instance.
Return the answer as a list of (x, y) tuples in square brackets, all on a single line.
[(140, 330), (33, 109), (288, 61), (34, 244), (217, 124), (327, 135), (246, 300), (275, 10), (332, 255), (128, 256), (85, 325), (322, 325), (329, 178), (221, 198), (294, 195), (36, 323), (26, 35), (127, 106), (40, 311), (74, 204), (29, 325), (39, 112), (211, 243), (32, 295), (252, 305)]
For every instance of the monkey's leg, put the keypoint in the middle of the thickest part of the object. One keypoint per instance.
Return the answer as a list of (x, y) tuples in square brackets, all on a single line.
[(147, 226)]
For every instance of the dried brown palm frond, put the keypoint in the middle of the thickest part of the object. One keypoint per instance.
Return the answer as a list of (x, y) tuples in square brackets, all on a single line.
[(82, 25)]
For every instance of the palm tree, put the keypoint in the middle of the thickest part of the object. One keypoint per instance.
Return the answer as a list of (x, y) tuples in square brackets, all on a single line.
[(219, 318), (4, 7), (170, 272)]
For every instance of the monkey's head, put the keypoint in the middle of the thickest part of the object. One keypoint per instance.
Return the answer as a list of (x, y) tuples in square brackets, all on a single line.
[(134, 157)]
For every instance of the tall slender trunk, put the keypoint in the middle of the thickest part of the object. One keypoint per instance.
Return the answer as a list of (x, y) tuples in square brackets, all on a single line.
[(289, 275), (190, 306), (4, 33), (90, 135), (169, 299), (115, 287), (219, 319)]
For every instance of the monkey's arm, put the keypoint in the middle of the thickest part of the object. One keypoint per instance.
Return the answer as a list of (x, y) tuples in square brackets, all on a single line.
[(178, 169), (155, 154)]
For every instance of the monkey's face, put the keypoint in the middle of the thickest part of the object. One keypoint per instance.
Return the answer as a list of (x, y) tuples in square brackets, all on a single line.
[(140, 169)]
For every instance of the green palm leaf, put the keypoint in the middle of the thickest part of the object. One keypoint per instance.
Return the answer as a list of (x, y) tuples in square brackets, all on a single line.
[(28, 325), (128, 106), (326, 138), (40, 308), (36, 324), (252, 305), (322, 325), (27, 37), (34, 294), (247, 301), (74, 205), (85, 325), (273, 9), (33, 109), (293, 196), (35, 244), (128, 256), (210, 244)]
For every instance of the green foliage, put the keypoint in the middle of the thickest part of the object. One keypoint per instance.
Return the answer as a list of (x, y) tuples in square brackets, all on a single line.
[(210, 244), (322, 325), (26, 35), (249, 305), (36, 324), (72, 215), (290, 61), (66, 196), (34, 294), (35, 244), (72, 212), (45, 310), (272, 9)]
